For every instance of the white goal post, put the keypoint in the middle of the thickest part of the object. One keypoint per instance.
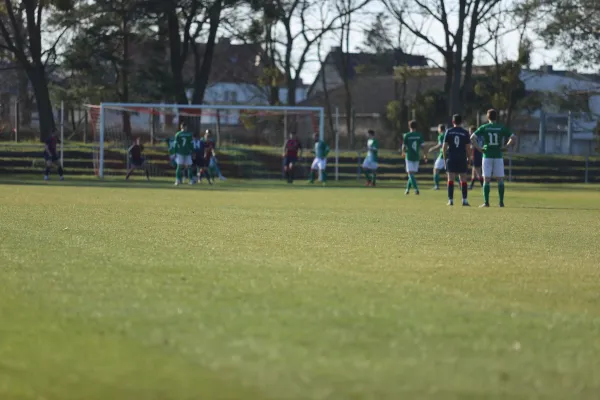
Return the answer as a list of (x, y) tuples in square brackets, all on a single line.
[(102, 119)]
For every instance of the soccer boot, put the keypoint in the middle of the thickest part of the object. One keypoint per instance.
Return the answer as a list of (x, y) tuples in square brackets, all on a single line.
[(407, 192), (46, 177), (465, 203), (417, 192), (501, 205), (368, 183), (484, 205), (450, 202), (62, 178), (436, 187)]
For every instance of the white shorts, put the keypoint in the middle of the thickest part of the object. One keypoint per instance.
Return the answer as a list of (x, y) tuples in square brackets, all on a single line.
[(412, 166), (183, 160), (319, 163), (493, 168), (439, 164), (368, 164)]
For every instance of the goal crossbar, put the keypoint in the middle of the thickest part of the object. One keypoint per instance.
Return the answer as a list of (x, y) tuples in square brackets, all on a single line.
[(188, 110)]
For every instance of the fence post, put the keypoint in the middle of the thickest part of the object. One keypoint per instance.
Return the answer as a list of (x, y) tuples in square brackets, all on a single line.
[(62, 134), (337, 144), (587, 167), (510, 166), (17, 119), (152, 126), (85, 124), (542, 132), (570, 133)]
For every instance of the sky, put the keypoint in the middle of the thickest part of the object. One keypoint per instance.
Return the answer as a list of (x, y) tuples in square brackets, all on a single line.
[(509, 43)]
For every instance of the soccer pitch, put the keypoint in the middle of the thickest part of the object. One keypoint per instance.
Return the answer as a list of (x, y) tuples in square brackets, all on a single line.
[(265, 291)]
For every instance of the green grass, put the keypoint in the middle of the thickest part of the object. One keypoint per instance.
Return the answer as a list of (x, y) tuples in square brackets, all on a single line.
[(262, 291)]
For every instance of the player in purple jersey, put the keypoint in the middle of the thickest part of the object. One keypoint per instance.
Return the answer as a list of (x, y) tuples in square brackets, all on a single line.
[(457, 149), (51, 157), (476, 161), (136, 159)]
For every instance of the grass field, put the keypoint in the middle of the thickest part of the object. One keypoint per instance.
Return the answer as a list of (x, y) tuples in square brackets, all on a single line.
[(263, 291)]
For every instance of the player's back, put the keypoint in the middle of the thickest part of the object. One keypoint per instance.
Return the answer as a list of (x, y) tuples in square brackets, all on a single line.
[(185, 143), (493, 136), (412, 143), (458, 140), (321, 149)]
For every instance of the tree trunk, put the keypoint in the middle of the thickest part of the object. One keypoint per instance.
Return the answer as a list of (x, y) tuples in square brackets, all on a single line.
[(125, 79), (202, 72), (24, 100), (39, 82), (176, 60)]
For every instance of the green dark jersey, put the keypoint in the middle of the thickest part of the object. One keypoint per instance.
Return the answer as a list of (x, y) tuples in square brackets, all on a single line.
[(494, 137), (321, 149), (412, 145), (372, 150), (172, 145), (440, 141), (184, 143)]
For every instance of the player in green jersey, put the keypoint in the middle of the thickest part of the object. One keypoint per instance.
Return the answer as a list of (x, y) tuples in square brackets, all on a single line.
[(171, 144), (184, 146), (439, 161), (412, 145), (496, 140), (321, 150), (370, 164)]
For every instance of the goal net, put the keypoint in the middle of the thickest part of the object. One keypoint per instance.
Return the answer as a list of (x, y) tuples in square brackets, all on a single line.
[(249, 139)]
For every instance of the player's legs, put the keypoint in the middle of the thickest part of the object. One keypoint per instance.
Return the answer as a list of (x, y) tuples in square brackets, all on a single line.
[(451, 178), (437, 167), (322, 169), (412, 167), (367, 170), (498, 173), (374, 167), (464, 187), (180, 160), (313, 170), (487, 170)]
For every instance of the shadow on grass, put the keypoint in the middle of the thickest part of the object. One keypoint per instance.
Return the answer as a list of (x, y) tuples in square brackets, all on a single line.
[(138, 182), (557, 208)]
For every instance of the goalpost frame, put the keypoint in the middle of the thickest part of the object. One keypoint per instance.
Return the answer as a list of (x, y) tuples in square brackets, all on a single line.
[(151, 106)]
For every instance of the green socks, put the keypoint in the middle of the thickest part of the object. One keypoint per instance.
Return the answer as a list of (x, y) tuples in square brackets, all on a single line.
[(436, 179), (486, 192), (408, 184), (374, 177), (323, 175), (190, 173), (501, 191), (178, 173), (367, 175), (413, 181), (311, 176)]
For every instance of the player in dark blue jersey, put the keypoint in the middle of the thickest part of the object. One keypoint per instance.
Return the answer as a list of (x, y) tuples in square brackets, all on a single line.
[(136, 159), (51, 156), (457, 149), (476, 160)]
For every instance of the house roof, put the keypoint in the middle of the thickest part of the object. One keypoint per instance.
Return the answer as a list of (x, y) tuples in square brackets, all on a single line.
[(371, 94), (369, 63), (235, 63)]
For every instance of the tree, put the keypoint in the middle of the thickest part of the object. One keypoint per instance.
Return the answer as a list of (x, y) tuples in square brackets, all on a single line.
[(377, 36), (297, 26), (570, 25), (460, 40), (111, 52), (22, 34)]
